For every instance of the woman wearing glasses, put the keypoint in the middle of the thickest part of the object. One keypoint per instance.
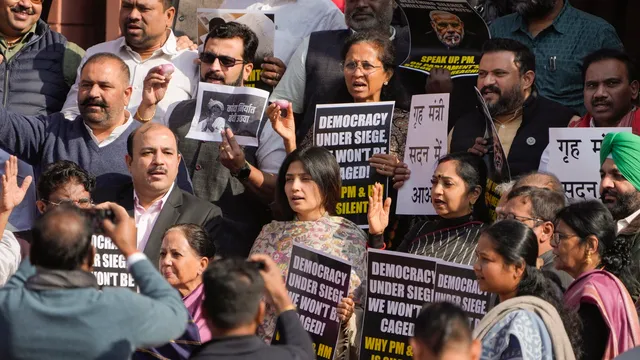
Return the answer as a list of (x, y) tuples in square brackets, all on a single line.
[(368, 67), (586, 247), (458, 198)]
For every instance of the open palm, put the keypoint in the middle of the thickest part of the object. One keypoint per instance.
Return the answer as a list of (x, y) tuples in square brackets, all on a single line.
[(284, 126), (378, 214), (12, 194)]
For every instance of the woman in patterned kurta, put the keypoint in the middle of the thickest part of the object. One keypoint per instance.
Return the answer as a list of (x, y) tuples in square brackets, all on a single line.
[(307, 192)]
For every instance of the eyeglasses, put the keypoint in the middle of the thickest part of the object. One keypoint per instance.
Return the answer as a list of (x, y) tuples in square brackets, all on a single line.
[(367, 67), (82, 203), (558, 237), (226, 61), (502, 216)]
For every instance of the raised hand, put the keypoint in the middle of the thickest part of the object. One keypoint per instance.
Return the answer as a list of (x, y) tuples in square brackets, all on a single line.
[(345, 308), (12, 194), (385, 164), (231, 154), (284, 126), (272, 71), (156, 83), (378, 214)]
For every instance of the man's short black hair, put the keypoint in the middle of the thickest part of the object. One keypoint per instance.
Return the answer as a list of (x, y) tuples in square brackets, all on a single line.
[(523, 57), (62, 239), (99, 57), (440, 325), (232, 30), (233, 290), (60, 173), (611, 54)]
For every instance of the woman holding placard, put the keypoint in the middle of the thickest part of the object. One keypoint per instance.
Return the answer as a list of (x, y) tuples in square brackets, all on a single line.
[(458, 197), (307, 191), (184, 256), (531, 321), (586, 247)]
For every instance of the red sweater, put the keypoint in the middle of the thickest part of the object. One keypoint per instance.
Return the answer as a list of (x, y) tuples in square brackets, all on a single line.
[(630, 120)]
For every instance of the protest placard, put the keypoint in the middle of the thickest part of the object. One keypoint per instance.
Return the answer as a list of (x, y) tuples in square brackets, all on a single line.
[(574, 157), (261, 22), (316, 283), (495, 159), (109, 265), (457, 284), (219, 107), (426, 140), (399, 284), (444, 34), (353, 133)]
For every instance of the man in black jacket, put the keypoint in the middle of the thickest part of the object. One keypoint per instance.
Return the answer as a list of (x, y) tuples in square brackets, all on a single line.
[(234, 308), (522, 117)]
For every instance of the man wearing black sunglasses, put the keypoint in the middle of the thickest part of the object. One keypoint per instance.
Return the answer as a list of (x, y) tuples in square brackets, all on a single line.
[(240, 181), (537, 208)]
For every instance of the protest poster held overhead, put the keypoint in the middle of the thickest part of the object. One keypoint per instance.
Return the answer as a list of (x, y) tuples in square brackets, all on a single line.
[(353, 133), (444, 33), (109, 265), (574, 157), (261, 22), (317, 282), (426, 141), (219, 107), (399, 284)]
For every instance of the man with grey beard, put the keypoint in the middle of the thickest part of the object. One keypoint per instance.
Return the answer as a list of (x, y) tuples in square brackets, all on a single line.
[(522, 117), (560, 36)]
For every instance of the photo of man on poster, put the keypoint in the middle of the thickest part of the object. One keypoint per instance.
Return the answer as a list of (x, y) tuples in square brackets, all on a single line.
[(213, 123), (449, 30)]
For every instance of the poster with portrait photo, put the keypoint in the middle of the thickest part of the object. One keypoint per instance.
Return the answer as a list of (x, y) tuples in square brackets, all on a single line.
[(444, 33), (261, 22), (221, 106)]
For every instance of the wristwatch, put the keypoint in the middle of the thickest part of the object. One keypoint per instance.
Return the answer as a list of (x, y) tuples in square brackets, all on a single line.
[(243, 173)]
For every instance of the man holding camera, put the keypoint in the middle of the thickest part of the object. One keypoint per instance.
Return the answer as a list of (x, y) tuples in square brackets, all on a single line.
[(56, 310), (234, 307)]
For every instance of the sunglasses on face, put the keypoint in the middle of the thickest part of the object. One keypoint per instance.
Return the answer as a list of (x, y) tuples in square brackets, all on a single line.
[(226, 61)]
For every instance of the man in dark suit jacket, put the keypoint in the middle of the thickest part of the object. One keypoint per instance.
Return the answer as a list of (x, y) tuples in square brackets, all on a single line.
[(153, 199), (230, 282)]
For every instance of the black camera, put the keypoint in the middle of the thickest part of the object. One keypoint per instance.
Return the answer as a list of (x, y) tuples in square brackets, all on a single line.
[(97, 216)]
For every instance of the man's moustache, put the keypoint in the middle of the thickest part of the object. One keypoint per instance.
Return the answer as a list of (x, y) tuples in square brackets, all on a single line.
[(94, 103), (19, 8)]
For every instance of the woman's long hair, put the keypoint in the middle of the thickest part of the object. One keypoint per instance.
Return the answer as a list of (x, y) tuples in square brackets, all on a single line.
[(518, 245), (592, 218), (324, 170)]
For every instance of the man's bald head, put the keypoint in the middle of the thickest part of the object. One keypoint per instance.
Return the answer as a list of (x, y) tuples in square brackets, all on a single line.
[(541, 180), (62, 239)]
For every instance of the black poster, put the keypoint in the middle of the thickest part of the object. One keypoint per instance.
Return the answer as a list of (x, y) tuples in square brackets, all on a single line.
[(353, 133), (444, 34), (109, 265), (316, 283), (399, 284)]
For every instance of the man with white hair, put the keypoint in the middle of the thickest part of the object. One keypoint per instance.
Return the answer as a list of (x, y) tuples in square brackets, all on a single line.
[(448, 30)]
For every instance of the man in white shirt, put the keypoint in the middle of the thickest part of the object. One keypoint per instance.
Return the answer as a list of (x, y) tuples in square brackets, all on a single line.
[(148, 41), (295, 20)]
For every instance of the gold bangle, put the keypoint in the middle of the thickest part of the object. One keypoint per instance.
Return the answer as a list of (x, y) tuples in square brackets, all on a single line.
[(139, 118)]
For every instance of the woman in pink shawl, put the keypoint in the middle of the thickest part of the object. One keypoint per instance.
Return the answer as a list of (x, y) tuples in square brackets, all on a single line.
[(585, 246)]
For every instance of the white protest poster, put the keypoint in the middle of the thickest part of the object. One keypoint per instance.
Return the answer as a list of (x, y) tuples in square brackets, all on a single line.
[(261, 22), (426, 141), (221, 106), (574, 157)]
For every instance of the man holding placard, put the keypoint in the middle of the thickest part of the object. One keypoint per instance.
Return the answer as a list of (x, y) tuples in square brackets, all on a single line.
[(239, 180), (610, 93), (522, 117)]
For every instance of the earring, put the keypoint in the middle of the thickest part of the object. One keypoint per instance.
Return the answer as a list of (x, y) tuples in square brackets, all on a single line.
[(588, 260), (386, 83)]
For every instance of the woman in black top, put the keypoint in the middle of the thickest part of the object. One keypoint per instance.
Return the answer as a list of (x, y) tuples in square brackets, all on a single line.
[(458, 197)]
